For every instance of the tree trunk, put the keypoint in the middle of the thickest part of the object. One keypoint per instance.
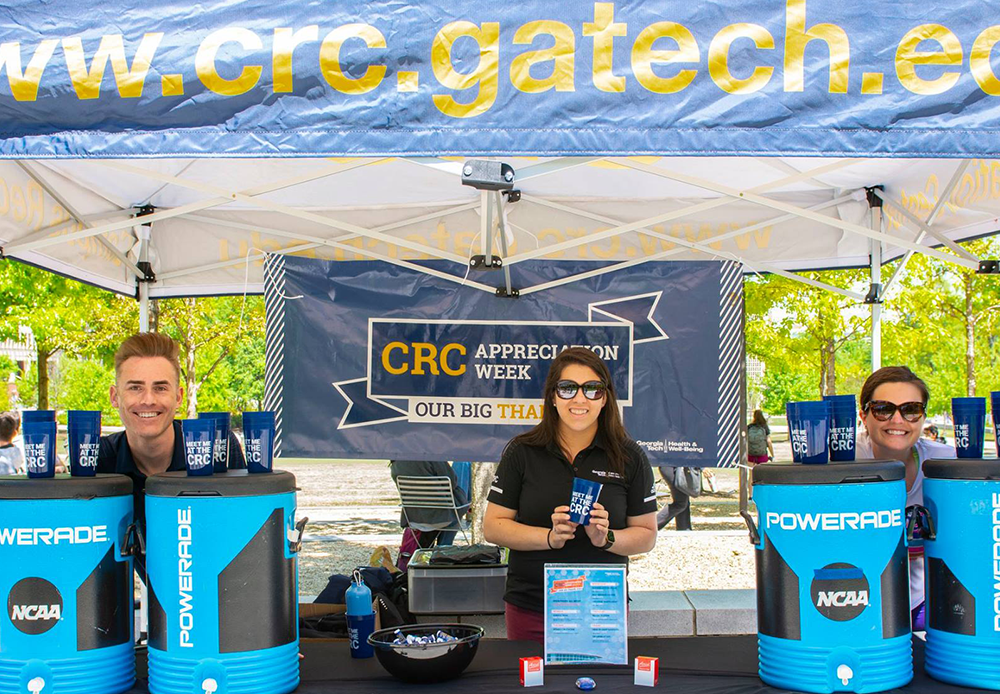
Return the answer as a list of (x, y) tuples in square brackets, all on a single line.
[(42, 364), (827, 368), (831, 368), (970, 339), (154, 315), (482, 478), (191, 382)]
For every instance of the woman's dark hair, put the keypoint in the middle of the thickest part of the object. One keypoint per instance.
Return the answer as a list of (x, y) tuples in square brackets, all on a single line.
[(892, 374), (760, 420), (609, 422)]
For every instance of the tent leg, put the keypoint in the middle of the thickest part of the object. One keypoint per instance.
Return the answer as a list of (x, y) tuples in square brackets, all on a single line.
[(144, 307), (876, 280), (143, 231)]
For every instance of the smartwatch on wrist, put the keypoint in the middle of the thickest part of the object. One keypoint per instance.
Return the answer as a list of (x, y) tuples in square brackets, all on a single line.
[(610, 541)]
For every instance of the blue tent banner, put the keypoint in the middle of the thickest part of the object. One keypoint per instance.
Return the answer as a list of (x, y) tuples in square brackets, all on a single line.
[(369, 360), (442, 77)]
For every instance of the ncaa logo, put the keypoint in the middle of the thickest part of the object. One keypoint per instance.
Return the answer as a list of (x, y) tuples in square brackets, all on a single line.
[(840, 591), (34, 605)]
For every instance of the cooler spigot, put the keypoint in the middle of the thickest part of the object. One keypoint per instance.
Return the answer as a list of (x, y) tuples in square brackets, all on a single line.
[(844, 674), (36, 685), (210, 686)]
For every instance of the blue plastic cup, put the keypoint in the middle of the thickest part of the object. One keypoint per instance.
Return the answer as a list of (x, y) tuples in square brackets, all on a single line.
[(995, 408), (359, 628), (38, 416), (969, 415), (40, 448), (584, 497), (221, 451), (843, 426), (199, 442), (84, 428), (809, 430), (258, 440)]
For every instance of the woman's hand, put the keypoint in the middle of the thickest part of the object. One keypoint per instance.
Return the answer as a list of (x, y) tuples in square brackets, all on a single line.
[(562, 529), (597, 529)]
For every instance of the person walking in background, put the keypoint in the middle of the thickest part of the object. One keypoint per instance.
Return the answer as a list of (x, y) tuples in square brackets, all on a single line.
[(11, 457), (683, 485), (760, 449)]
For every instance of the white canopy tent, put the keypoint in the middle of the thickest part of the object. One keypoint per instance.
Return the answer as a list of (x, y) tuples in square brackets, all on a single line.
[(204, 224)]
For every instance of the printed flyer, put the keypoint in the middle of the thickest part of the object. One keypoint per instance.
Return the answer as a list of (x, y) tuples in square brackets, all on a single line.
[(585, 614)]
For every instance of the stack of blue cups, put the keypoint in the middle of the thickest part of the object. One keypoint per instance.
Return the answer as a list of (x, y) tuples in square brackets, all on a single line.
[(843, 426), (84, 428), (221, 449), (39, 431), (258, 440), (809, 431), (995, 409), (969, 415), (199, 446)]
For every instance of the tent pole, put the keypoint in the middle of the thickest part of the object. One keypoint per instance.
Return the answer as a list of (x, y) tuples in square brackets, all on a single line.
[(876, 280), (143, 232)]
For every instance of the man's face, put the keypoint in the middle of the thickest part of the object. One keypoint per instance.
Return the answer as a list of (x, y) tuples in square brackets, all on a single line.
[(147, 395)]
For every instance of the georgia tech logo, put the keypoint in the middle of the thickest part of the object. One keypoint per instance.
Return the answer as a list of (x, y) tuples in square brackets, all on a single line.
[(34, 605)]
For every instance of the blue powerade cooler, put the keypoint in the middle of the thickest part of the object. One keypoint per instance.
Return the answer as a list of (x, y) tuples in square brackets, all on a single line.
[(833, 608), (962, 571), (223, 586), (66, 574)]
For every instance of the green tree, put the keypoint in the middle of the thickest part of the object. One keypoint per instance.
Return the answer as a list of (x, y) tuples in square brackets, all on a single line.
[(797, 328), (943, 322), (209, 330), (63, 314), (84, 385)]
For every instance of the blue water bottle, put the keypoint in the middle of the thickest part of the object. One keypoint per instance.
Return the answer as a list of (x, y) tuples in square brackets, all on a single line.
[(360, 617)]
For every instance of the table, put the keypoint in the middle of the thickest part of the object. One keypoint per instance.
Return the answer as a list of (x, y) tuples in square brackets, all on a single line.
[(692, 665)]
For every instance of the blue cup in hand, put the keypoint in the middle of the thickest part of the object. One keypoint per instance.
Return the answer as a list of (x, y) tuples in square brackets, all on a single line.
[(199, 441), (40, 448), (809, 431), (969, 415), (84, 428), (582, 501)]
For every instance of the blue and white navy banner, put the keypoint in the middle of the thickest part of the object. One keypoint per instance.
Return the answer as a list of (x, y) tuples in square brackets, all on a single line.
[(473, 77), (370, 360)]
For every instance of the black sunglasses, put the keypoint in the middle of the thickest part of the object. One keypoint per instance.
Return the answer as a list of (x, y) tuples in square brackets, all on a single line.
[(592, 390), (883, 410)]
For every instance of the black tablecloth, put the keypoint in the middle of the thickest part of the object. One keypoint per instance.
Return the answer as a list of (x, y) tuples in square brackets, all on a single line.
[(693, 665)]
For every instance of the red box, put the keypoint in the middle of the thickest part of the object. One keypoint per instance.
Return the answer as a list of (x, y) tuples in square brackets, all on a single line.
[(532, 672), (647, 671)]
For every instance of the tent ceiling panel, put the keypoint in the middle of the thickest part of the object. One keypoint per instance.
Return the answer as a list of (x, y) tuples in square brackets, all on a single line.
[(410, 210)]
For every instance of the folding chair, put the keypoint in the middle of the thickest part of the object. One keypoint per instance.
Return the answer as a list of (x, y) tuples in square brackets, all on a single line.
[(430, 493)]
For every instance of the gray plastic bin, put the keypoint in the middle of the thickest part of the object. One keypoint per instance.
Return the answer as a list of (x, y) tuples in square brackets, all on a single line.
[(456, 589)]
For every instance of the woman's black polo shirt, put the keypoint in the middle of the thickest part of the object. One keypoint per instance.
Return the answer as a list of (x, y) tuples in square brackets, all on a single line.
[(533, 480)]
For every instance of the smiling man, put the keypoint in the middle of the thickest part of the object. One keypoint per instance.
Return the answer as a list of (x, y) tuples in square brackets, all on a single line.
[(147, 393)]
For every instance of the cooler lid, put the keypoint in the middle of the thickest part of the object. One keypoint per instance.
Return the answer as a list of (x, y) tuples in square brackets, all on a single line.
[(229, 483), (64, 487), (853, 472), (962, 469)]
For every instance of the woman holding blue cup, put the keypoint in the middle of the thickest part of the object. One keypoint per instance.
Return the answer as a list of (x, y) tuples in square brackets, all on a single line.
[(893, 409), (543, 503)]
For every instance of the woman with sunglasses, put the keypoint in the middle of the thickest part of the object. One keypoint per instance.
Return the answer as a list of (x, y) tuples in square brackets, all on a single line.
[(580, 435), (893, 408)]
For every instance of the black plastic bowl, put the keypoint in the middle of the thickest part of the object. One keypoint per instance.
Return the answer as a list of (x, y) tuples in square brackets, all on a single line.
[(431, 662)]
